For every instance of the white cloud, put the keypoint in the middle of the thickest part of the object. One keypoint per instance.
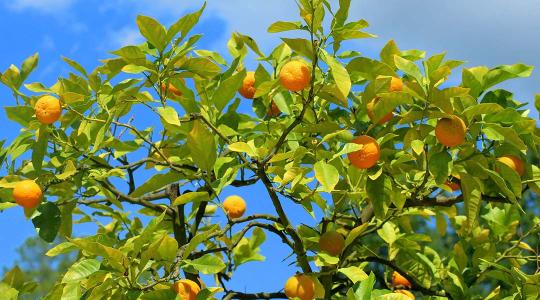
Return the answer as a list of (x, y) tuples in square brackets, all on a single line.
[(43, 6), (124, 36), (47, 43)]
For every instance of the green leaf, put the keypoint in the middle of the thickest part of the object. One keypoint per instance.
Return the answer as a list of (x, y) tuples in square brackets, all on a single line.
[(368, 68), (29, 65), (15, 278), (66, 226), (497, 132), (132, 54), (250, 42), (355, 274), (20, 114), (363, 291), (379, 191), (198, 239), (281, 26), (202, 146), (7, 292), (505, 72), (46, 220), (207, 264), (473, 78), (40, 148), (156, 182), (340, 75), (6, 205), (169, 115), (71, 291), (248, 249), (388, 102), (355, 233), (243, 147), (408, 67), (61, 248), (191, 197), (69, 170), (417, 146), (201, 66), (81, 270), (153, 31), (166, 294), (440, 165), (300, 46), (75, 65), (227, 89), (482, 109), (167, 248), (327, 175), (388, 52), (185, 24), (472, 196)]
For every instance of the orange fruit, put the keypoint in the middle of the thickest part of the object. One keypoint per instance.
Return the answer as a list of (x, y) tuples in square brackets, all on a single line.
[(169, 90), (234, 206), (399, 281), (454, 186), (451, 131), (513, 162), (247, 90), (295, 76), (186, 289), (406, 293), (27, 194), (273, 110), (368, 156), (396, 84), (301, 286), (48, 109), (332, 242), (371, 114)]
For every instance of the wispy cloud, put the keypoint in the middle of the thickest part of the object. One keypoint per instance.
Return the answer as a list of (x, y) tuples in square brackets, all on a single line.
[(124, 36), (42, 6)]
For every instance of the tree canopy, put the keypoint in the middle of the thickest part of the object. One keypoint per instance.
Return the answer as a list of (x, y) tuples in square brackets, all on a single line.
[(417, 185)]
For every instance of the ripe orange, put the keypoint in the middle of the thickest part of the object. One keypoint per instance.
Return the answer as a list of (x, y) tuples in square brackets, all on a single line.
[(368, 156), (396, 84), (48, 109), (451, 131), (273, 110), (332, 242), (301, 286), (295, 75), (247, 90), (406, 293), (371, 114), (454, 186), (234, 206), (187, 289), (27, 194), (399, 281), (169, 90), (513, 162)]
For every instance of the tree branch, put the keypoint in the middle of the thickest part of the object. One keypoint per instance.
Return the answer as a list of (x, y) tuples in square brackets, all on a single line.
[(298, 244)]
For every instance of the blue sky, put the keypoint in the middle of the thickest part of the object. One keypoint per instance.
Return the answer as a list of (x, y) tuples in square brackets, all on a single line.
[(481, 32)]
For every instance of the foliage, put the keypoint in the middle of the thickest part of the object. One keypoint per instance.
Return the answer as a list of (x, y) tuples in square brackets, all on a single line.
[(399, 215), (33, 265)]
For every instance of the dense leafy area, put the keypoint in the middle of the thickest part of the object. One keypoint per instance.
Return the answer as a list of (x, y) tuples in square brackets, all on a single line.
[(400, 215)]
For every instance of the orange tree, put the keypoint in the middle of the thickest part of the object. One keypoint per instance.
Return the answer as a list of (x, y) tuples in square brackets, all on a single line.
[(416, 187)]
